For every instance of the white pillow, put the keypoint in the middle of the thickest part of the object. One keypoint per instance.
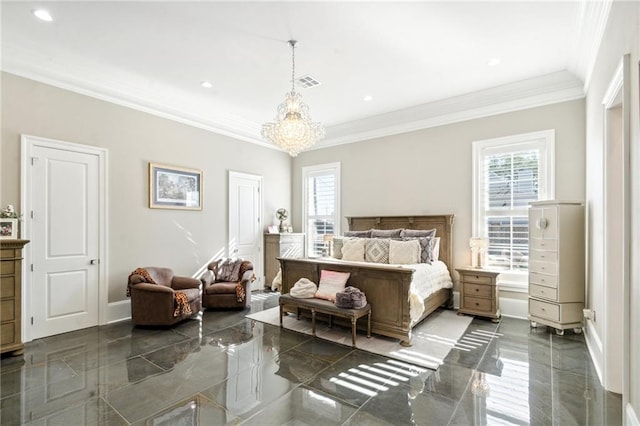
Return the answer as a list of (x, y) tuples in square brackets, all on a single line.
[(353, 249), (331, 282), (404, 252), (436, 249)]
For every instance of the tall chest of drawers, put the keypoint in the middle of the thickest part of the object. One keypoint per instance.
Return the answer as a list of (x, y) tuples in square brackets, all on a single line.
[(280, 245), (556, 264), (11, 296)]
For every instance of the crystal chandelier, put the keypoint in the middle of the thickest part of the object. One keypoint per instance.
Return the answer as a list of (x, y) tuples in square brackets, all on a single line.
[(293, 129)]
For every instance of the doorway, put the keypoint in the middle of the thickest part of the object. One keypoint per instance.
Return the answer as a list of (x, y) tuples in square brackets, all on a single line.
[(64, 205), (245, 221)]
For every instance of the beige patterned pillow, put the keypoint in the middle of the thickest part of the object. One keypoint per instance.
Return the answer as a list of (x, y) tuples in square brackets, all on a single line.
[(353, 249), (377, 250), (404, 252)]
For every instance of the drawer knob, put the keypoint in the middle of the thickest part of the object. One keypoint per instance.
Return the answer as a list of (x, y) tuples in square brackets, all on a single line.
[(477, 277), (542, 280), (477, 304), (543, 309), (477, 289)]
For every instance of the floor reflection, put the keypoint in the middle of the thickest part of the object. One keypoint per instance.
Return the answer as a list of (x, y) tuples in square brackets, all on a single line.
[(224, 369)]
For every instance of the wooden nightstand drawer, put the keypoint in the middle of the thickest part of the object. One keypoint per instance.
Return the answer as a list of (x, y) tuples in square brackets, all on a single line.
[(475, 290), (543, 292), (8, 286), (545, 310), (7, 310), (477, 279), (477, 304), (7, 333)]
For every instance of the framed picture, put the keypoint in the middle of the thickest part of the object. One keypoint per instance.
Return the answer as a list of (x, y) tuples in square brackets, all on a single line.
[(9, 229), (174, 187), (273, 229)]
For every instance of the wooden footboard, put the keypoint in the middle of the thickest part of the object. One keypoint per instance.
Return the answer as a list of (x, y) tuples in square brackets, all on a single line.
[(386, 288)]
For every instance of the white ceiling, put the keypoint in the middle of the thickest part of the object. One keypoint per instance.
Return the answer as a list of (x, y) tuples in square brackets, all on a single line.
[(424, 63)]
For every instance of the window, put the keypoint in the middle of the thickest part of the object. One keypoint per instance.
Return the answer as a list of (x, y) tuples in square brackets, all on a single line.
[(508, 174), (321, 208)]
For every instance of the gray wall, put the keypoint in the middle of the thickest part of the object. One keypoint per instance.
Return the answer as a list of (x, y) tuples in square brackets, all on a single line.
[(429, 171), (139, 236), (621, 36)]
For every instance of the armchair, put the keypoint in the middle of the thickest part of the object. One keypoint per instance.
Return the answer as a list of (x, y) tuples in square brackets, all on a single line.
[(158, 297), (227, 284)]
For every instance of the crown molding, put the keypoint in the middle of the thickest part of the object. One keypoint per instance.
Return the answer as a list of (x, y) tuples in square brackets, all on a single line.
[(535, 92), (113, 87), (592, 23)]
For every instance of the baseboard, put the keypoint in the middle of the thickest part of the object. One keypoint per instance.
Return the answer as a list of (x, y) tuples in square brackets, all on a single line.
[(118, 311), (594, 346), (514, 308), (632, 418)]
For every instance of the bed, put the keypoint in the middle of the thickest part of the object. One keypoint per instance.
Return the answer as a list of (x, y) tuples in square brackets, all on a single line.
[(387, 286)]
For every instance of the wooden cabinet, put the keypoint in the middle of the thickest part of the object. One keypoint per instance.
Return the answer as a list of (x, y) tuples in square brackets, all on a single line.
[(479, 292), (11, 296), (289, 245), (556, 264)]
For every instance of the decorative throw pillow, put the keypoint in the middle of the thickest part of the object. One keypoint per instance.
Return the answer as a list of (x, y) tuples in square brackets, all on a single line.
[(229, 270), (404, 252), (353, 249), (376, 250), (386, 233), (331, 282), (426, 249), (337, 243), (418, 233), (358, 234)]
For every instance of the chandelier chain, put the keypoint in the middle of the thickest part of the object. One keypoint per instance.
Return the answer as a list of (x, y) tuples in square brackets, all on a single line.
[(293, 65)]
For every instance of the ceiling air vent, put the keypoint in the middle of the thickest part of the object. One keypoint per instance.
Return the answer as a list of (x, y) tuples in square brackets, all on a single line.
[(307, 82)]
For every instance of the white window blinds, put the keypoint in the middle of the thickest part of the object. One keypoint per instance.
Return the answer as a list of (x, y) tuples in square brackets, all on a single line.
[(321, 206)]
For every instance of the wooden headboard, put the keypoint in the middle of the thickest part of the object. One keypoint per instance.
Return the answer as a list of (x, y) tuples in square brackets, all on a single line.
[(442, 223)]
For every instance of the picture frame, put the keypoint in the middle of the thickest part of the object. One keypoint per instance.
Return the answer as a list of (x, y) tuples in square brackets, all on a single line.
[(8, 228), (172, 187), (273, 229)]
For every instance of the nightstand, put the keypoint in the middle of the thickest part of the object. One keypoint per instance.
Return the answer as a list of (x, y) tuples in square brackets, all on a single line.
[(479, 293)]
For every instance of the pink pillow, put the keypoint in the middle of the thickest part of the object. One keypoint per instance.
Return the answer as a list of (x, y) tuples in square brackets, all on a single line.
[(331, 282)]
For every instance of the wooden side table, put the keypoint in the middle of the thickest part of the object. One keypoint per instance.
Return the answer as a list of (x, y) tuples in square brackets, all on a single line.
[(479, 293)]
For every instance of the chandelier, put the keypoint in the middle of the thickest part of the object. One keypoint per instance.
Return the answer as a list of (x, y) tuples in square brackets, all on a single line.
[(293, 129)]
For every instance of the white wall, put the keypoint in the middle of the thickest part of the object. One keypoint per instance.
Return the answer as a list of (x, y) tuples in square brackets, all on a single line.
[(621, 36), (139, 236), (429, 171)]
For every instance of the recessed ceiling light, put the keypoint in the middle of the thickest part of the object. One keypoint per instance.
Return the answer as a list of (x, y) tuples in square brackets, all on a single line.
[(368, 98), (493, 62), (42, 14), (206, 84)]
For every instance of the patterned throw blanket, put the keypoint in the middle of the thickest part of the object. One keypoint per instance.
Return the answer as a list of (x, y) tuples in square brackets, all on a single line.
[(142, 273), (182, 305)]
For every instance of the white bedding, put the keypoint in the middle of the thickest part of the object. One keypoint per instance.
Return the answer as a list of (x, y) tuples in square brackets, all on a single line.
[(427, 279)]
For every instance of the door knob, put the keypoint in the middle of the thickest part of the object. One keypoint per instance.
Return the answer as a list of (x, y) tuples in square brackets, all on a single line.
[(95, 261)]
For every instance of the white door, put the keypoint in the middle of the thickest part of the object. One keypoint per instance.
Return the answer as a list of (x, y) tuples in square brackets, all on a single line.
[(245, 228), (64, 233)]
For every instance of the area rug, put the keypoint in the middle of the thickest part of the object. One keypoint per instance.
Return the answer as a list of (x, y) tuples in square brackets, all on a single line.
[(432, 339)]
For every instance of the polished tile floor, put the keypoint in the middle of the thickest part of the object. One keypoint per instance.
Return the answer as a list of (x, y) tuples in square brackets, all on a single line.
[(224, 369)]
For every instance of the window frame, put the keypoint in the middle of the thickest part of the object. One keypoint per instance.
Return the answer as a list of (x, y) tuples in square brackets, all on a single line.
[(544, 141), (317, 170)]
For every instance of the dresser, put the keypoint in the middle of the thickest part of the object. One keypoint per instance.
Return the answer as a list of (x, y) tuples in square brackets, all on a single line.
[(11, 296), (479, 292), (280, 245), (556, 264)]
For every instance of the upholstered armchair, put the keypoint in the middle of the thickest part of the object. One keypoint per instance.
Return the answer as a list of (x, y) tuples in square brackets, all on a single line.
[(158, 297), (226, 284)]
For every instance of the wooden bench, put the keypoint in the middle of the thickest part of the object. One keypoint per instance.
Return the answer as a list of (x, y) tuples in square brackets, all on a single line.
[(326, 307)]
